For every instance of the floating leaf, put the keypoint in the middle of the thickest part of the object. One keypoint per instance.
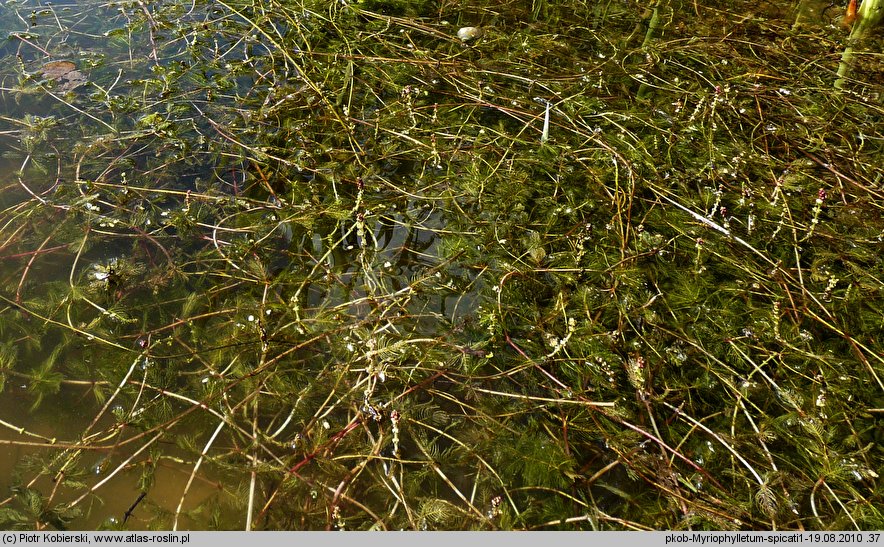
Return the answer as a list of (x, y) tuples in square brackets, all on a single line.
[(64, 74)]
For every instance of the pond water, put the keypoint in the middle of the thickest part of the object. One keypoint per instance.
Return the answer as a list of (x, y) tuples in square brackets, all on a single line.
[(312, 265)]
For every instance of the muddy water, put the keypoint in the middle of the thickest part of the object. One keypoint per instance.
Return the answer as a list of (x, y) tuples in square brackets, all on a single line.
[(51, 422)]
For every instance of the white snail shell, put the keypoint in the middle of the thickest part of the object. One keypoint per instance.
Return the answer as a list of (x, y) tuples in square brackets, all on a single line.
[(469, 33)]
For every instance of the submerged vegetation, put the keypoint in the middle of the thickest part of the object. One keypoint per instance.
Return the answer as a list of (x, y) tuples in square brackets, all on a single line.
[(350, 265)]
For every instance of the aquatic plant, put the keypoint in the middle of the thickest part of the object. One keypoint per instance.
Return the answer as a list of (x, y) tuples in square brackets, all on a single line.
[(862, 21), (311, 265)]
